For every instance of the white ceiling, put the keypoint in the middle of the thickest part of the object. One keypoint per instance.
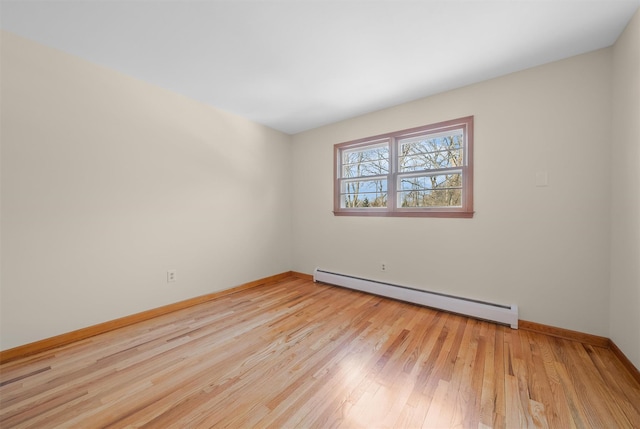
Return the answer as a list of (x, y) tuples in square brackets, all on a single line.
[(297, 65)]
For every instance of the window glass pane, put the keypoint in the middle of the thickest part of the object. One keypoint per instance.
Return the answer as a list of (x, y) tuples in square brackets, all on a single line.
[(444, 190), (431, 151), (368, 161), (431, 198), (412, 172), (363, 193)]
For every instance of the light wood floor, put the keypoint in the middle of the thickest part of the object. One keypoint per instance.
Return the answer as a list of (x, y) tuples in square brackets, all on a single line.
[(299, 354)]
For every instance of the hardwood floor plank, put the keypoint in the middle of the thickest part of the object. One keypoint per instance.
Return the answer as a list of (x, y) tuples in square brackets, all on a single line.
[(475, 374), (488, 394), (626, 397), (576, 407), (298, 354), (437, 407), (456, 398)]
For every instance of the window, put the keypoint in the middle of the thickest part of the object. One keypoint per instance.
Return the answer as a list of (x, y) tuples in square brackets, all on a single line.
[(425, 171)]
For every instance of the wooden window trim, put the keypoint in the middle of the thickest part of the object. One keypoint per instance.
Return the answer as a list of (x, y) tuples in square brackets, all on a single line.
[(464, 211)]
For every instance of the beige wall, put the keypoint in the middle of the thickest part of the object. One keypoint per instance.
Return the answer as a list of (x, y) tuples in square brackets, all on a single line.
[(625, 207), (108, 182), (543, 248)]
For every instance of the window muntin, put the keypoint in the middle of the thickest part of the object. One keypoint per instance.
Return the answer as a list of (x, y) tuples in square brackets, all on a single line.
[(433, 190), (364, 193), (369, 160), (428, 152), (364, 170), (424, 171)]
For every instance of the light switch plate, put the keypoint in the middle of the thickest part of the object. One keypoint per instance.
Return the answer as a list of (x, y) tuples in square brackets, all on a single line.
[(542, 178)]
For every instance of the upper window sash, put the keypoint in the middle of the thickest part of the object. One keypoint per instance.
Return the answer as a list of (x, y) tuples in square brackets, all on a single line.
[(370, 159)]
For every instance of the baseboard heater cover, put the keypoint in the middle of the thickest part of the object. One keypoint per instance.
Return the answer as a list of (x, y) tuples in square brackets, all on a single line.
[(504, 314)]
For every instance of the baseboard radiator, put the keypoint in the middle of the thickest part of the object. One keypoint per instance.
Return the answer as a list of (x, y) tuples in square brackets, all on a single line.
[(503, 314)]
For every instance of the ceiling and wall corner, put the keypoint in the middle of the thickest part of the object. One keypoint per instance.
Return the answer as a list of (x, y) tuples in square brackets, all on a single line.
[(297, 65)]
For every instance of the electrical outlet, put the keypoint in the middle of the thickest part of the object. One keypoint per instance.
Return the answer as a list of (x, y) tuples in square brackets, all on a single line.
[(171, 276), (383, 266)]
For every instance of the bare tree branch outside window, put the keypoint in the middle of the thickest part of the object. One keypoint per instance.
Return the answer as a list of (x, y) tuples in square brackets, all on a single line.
[(425, 171)]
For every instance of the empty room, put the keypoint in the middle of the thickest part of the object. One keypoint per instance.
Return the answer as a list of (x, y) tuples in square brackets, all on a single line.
[(316, 214)]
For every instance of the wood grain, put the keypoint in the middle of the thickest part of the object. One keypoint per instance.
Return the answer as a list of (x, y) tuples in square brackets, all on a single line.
[(567, 334), (635, 372), (293, 353), (80, 334)]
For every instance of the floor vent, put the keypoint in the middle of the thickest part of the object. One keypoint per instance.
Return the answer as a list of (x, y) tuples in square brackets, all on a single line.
[(504, 314)]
